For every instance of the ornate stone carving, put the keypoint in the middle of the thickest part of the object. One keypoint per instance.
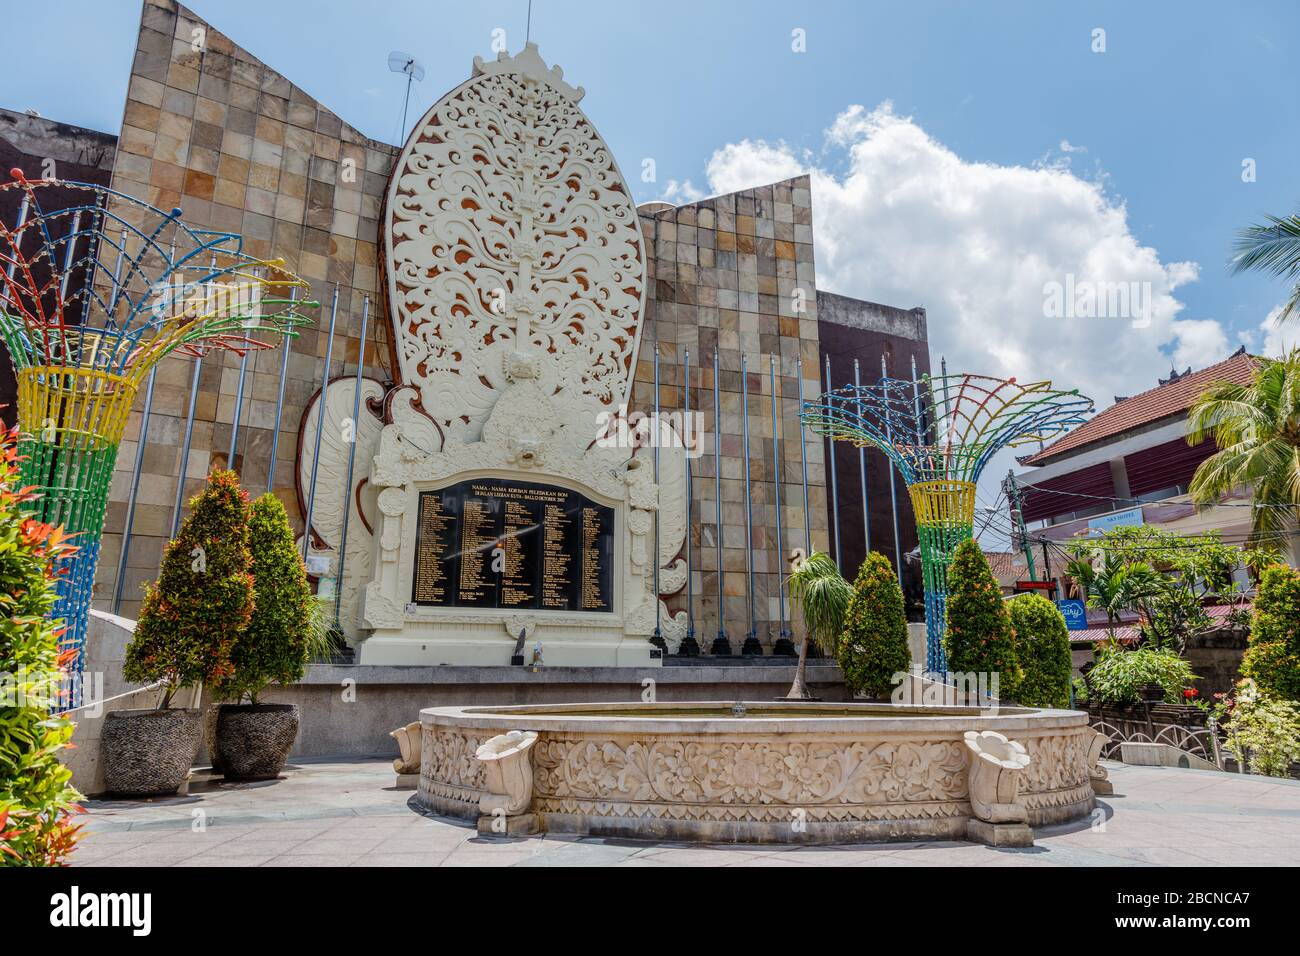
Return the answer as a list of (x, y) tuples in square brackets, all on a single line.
[(756, 784), (994, 774), (1097, 774), (510, 232), (409, 746), (508, 772)]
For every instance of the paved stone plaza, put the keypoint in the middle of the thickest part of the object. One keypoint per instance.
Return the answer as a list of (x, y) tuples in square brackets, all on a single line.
[(325, 813)]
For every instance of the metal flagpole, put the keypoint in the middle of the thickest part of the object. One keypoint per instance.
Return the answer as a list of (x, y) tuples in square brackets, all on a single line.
[(862, 470), (658, 639), (689, 647), (135, 490), (784, 645), (279, 398), (239, 408), (893, 494), (185, 445), (320, 425), (751, 645), (189, 431), (835, 484), (352, 457), (803, 459), (721, 645)]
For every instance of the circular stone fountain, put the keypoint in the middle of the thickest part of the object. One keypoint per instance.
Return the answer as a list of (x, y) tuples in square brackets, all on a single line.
[(762, 772)]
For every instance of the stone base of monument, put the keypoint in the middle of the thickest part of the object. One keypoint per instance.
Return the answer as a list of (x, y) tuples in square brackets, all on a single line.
[(999, 834), (1102, 788), (407, 781), (524, 824)]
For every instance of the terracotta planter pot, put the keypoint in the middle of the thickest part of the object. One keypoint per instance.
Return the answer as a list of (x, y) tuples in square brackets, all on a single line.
[(253, 740), (147, 753)]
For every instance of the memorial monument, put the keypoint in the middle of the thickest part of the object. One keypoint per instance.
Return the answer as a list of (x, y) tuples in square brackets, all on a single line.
[(515, 283)]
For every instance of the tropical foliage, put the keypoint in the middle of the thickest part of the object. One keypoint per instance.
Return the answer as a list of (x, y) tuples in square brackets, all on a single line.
[(819, 591), (203, 597), (1042, 650), (1263, 733), (1257, 430), (979, 638), (1163, 577), (37, 800), (1273, 248), (1273, 658), (1120, 674), (873, 647), (275, 645)]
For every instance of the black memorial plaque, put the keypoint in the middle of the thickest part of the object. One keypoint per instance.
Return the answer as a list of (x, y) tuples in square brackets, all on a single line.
[(494, 543)]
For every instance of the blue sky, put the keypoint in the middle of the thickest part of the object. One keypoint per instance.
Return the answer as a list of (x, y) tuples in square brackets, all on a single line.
[(1162, 119)]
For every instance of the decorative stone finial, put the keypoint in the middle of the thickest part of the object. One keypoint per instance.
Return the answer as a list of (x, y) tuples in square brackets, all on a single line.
[(530, 63)]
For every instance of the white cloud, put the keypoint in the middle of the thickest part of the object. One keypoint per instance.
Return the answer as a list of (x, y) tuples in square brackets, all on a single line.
[(909, 222), (681, 193), (1201, 342), (1279, 339)]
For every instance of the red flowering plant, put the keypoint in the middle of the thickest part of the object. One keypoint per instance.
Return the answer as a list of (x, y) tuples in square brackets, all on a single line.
[(203, 598), (37, 800)]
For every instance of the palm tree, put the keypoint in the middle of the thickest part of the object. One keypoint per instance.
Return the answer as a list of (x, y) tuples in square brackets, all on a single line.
[(1116, 586), (1257, 430), (820, 591), (1275, 249)]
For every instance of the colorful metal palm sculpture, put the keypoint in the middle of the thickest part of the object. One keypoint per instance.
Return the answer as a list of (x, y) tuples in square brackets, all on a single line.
[(97, 287), (940, 432)]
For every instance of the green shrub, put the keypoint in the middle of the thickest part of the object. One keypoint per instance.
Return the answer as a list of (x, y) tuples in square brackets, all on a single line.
[(275, 645), (1273, 658), (873, 647), (1119, 675), (1263, 732), (1043, 651), (979, 639), (203, 597), (37, 800)]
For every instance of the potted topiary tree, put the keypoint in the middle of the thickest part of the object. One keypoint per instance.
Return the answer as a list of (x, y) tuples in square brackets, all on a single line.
[(874, 647), (253, 738), (37, 800), (188, 623), (979, 639), (1043, 652)]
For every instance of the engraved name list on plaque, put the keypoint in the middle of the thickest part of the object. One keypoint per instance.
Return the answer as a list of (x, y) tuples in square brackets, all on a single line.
[(497, 543)]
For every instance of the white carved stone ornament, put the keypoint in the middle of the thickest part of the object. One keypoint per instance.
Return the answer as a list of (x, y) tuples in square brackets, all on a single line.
[(508, 770), (994, 776), (408, 745), (1098, 774)]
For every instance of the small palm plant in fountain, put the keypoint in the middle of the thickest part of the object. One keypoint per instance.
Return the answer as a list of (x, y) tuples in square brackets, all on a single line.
[(820, 592)]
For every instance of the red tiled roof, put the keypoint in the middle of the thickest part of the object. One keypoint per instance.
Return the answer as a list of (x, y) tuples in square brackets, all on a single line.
[(1129, 633), (1000, 564), (1153, 405)]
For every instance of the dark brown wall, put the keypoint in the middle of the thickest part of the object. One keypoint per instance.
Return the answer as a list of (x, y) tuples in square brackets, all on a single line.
[(843, 343), (77, 154)]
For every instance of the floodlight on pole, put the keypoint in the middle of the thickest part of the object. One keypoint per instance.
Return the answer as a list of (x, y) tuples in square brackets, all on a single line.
[(400, 62)]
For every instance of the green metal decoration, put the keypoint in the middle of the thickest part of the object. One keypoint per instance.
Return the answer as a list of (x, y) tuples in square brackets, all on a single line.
[(940, 432)]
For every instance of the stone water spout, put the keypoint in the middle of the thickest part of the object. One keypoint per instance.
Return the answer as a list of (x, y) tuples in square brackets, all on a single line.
[(508, 768)]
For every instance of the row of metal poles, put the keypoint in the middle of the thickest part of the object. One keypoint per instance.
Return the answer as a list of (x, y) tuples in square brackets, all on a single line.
[(690, 646), (187, 441), (722, 643)]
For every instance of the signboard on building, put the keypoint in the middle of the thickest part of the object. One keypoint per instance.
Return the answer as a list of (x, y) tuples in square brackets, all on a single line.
[(1128, 518), (1075, 613)]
